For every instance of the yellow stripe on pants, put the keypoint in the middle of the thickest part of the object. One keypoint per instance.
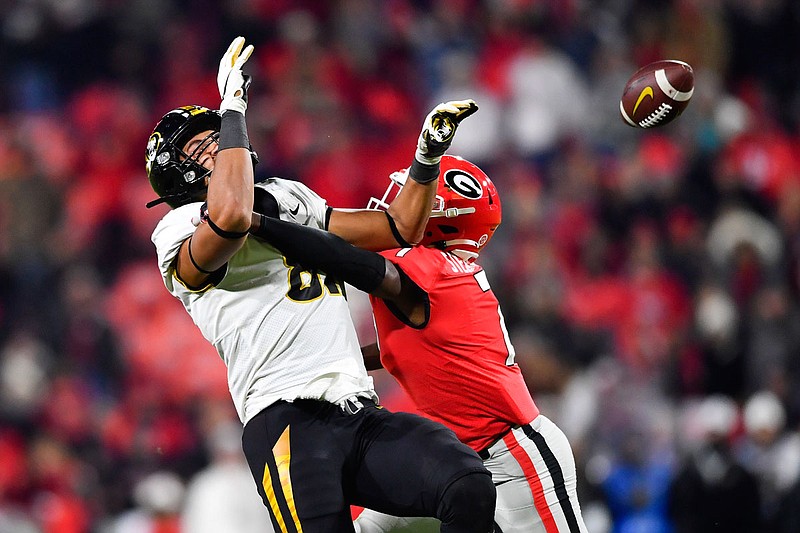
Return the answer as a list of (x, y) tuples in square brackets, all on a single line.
[(282, 454)]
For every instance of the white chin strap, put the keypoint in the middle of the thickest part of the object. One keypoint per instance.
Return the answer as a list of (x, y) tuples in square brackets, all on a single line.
[(463, 254)]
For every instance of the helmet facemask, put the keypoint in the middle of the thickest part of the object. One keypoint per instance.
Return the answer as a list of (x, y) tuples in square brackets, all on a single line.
[(193, 171), (397, 181)]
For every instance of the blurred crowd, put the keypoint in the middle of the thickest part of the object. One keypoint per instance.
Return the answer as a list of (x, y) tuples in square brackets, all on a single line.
[(650, 279)]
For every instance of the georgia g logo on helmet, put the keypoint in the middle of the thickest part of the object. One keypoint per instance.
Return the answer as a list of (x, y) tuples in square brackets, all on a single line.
[(463, 184)]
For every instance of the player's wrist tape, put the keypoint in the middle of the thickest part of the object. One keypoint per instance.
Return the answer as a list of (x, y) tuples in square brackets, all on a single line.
[(233, 131), (422, 173), (315, 248), (426, 158)]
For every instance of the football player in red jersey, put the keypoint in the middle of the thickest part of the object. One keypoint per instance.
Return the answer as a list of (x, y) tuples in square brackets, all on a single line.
[(442, 336)]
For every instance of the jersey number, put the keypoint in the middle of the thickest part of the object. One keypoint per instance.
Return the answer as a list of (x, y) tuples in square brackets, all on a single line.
[(483, 283), (509, 347), (308, 285)]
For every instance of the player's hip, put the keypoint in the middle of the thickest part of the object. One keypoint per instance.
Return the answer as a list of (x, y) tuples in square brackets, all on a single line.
[(534, 472), (311, 459), (298, 453)]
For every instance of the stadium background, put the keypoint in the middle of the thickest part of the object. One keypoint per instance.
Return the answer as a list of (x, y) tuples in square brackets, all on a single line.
[(649, 278)]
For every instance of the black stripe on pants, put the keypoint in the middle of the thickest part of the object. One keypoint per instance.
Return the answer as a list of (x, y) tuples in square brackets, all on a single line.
[(557, 474)]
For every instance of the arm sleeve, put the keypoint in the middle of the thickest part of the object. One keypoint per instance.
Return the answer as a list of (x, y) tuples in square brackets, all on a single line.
[(315, 248), (264, 203)]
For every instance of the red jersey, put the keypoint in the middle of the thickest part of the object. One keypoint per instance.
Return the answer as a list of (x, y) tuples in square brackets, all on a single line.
[(459, 368)]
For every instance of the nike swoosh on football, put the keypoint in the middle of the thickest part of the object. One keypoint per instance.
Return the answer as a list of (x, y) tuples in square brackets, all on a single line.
[(647, 91)]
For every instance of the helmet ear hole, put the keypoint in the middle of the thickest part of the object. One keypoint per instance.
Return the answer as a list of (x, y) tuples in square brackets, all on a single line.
[(448, 230)]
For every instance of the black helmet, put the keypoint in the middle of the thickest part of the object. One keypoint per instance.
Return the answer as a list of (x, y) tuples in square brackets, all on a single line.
[(177, 177)]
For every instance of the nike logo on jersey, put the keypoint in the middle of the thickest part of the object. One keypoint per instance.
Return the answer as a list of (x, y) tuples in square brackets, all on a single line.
[(294, 211)]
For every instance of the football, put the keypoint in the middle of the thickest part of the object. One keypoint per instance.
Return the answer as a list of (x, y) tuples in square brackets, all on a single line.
[(656, 94)]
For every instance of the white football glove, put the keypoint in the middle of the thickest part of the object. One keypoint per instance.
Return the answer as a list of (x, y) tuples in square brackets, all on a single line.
[(440, 128), (230, 80)]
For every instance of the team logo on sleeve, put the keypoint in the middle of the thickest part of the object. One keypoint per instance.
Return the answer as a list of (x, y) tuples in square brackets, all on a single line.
[(463, 184)]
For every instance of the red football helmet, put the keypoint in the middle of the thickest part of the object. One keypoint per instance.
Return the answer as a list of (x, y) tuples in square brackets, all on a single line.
[(466, 210)]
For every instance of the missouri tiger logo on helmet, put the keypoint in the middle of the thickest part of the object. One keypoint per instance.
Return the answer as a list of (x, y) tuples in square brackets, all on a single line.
[(150, 153), (466, 210)]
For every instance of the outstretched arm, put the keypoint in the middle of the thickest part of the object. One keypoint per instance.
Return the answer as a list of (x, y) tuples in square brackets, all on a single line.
[(409, 211), (363, 269), (315, 248), (230, 193)]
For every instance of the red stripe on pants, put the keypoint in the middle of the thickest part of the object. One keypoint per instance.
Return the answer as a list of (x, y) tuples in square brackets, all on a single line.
[(534, 482)]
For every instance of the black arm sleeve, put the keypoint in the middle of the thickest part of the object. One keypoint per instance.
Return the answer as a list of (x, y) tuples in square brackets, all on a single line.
[(314, 248), (264, 203)]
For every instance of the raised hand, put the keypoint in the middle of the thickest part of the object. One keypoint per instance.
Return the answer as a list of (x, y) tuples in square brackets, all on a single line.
[(232, 83), (440, 128)]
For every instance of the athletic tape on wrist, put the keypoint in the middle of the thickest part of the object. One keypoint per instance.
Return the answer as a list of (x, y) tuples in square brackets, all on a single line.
[(422, 173), (233, 131)]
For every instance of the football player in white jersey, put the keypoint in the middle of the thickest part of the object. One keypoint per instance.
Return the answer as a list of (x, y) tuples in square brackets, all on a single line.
[(315, 437)]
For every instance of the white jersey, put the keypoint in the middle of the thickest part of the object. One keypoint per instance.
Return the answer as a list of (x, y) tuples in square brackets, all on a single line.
[(283, 332)]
